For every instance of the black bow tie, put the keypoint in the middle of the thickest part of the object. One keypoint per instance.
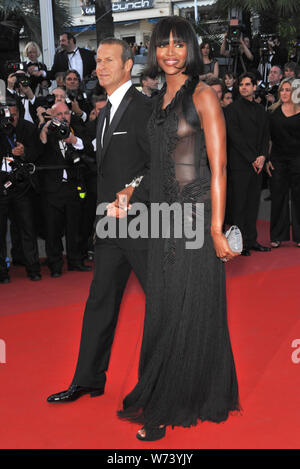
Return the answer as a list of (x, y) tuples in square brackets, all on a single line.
[(32, 63)]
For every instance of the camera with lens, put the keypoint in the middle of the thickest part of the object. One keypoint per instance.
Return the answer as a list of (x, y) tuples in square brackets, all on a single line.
[(46, 101), (13, 67), (261, 91), (60, 129), (235, 30), (22, 79), (79, 96), (6, 120)]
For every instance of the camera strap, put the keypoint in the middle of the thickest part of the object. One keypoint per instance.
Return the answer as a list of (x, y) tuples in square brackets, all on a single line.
[(12, 144)]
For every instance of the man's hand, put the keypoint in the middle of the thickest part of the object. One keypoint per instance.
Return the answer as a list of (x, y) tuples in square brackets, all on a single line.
[(123, 197), (18, 150), (76, 108), (269, 168), (71, 139), (11, 81), (27, 91), (258, 164), (120, 206), (270, 98)]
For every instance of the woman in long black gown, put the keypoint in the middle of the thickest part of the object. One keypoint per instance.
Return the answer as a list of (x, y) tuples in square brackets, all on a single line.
[(186, 370)]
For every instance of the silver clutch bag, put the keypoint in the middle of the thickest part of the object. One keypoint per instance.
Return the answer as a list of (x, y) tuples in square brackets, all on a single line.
[(234, 238)]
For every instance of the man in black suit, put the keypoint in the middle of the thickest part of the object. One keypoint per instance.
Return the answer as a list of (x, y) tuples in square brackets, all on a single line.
[(61, 198), (122, 155), (71, 57), (19, 145), (248, 139)]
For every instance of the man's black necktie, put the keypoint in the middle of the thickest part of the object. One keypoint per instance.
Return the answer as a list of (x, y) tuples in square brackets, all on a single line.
[(107, 120)]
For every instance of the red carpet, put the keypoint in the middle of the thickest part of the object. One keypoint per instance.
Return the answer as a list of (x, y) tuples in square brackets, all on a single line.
[(41, 323)]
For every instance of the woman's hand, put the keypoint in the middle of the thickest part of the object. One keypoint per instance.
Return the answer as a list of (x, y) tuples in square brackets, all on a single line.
[(222, 248)]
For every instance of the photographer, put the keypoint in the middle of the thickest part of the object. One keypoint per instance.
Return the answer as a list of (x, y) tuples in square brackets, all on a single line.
[(18, 89), (62, 190), (81, 106), (36, 70), (19, 147), (239, 50)]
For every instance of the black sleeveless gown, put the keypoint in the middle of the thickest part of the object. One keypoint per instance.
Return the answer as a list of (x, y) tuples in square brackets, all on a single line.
[(186, 369)]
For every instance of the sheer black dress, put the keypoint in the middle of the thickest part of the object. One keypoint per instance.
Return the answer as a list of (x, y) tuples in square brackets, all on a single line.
[(186, 370)]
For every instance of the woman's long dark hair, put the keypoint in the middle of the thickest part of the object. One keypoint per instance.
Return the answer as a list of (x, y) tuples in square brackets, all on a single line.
[(182, 31)]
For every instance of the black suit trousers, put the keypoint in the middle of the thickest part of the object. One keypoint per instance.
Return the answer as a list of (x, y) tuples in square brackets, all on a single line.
[(112, 269), (62, 212), (285, 187), (245, 198), (20, 211)]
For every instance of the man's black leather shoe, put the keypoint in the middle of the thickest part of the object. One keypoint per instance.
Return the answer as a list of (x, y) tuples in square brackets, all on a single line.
[(35, 277), (74, 392), (260, 248), (80, 267), (245, 252), (56, 274), (4, 279)]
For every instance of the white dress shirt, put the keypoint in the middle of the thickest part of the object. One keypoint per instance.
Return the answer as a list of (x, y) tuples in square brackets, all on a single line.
[(75, 62), (115, 99)]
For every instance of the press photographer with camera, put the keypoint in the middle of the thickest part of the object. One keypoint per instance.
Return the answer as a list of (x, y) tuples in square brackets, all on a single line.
[(62, 186), (18, 89), (81, 106), (237, 46), (19, 147)]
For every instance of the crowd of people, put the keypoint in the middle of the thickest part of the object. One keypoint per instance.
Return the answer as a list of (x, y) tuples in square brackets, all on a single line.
[(60, 199)]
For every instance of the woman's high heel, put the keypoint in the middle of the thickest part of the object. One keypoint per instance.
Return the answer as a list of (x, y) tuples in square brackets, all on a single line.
[(151, 433)]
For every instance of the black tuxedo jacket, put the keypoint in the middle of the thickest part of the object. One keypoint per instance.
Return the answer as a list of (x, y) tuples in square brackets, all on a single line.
[(247, 133), (126, 152), (52, 179), (26, 134), (61, 63)]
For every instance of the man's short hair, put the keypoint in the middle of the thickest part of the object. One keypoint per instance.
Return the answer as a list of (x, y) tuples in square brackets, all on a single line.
[(126, 49), (69, 36), (290, 66), (214, 81), (247, 75), (225, 91)]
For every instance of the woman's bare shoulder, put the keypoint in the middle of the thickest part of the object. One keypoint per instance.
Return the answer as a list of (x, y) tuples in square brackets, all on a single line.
[(204, 95)]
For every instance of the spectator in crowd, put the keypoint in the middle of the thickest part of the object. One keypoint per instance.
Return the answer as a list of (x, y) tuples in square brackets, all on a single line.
[(99, 102), (290, 70), (248, 139), (149, 85), (19, 144), (62, 202), (81, 106), (244, 56), (284, 165), (37, 70), (210, 65), (217, 85), (230, 83), (275, 77), (71, 57), (226, 97), (60, 79)]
